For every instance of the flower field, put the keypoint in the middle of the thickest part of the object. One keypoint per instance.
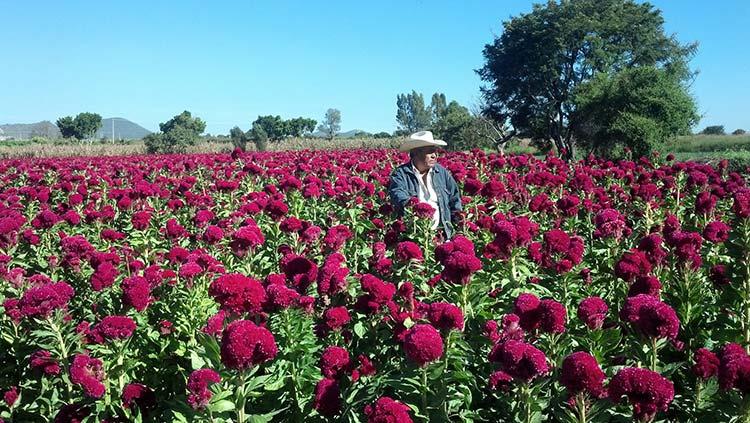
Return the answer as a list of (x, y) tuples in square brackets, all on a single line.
[(265, 287)]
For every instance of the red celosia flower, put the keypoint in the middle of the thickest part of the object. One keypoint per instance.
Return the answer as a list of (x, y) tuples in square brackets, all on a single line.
[(141, 220), (365, 368), (334, 362), (687, 248), (446, 316), (648, 391), (198, 384), (377, 293), (43, 360), (140, 395), (526, 307), (422, 210), (741, 204), (336, 317), (559, 251), (238, 293), (734, 368), (718, 275), (499, 380), (280, 297), (423, 344), (336, 237), (651, 317), (88, 373), (300, 271), (648, 285), (407, 251), (215, 324), (327, 397), (245, 345), (213, 234), (716, 232), (610, 224), (568, 205), (651, 245), (332, 276), (11, 396), (112, 328), (246, 238), (552, 316), (581, 373), (520, 360), (592, 311), (104, 276), (41, 301), (136, 292), (633, 263), (387, 410), (458, 259), (706, 364)]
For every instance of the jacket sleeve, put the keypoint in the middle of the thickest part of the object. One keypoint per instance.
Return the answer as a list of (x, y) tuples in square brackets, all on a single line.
[(454, 196), (397, 190)]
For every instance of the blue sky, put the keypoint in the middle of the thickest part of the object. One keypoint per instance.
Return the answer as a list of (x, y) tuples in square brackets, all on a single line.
[(229, 62)]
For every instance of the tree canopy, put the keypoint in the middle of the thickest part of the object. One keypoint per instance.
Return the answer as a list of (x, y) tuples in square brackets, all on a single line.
[(83, 126), (639, 108), (411, 113), (331, 124), (176, 134), (533, 70)]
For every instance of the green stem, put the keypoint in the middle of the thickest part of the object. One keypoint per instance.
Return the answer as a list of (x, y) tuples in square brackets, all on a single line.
[(696, 404), (424, 391), (445, 369), (241, 397), (465, 300), (654, 354), (581, 408), (526, 396), (293, 370), (63, 356)]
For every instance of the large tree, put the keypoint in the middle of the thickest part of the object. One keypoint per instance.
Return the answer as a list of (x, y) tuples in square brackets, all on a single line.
[(300, 126), (83, 126), (176, 134), (638, 108), (534, 68), (331, 123), (273, 126), (411, 113)]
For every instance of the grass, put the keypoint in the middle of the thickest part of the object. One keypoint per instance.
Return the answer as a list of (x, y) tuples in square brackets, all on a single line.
[(708, 144), (27, 148)]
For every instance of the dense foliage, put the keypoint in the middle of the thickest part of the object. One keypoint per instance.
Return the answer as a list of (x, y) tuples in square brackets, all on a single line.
[(534, 69)]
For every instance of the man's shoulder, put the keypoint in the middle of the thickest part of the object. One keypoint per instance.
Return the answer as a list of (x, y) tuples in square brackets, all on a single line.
[(405, 167)]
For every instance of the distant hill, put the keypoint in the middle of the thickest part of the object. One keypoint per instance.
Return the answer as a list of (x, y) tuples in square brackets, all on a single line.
[(348, 134), (17, 131), (123, 129)]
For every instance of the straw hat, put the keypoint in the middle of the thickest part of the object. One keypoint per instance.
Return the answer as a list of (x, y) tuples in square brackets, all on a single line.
[(421, 139)]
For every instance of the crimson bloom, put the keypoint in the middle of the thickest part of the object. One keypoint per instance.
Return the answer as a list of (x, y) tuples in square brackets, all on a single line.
[(648, 391), (245, 345)]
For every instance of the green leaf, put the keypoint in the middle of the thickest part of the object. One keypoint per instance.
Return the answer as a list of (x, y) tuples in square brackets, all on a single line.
[(196, 361), (221, 406), (359, 329)]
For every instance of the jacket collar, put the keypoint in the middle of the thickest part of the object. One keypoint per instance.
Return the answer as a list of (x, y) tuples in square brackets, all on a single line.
[(409, 167)]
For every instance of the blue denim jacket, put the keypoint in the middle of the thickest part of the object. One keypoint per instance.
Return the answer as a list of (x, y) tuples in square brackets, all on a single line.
[(404, 185)]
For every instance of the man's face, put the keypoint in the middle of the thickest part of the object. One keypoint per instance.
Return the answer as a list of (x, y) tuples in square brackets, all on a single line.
[(425, 158)]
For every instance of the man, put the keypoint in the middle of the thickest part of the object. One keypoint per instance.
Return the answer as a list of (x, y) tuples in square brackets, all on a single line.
[(423, 178)]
